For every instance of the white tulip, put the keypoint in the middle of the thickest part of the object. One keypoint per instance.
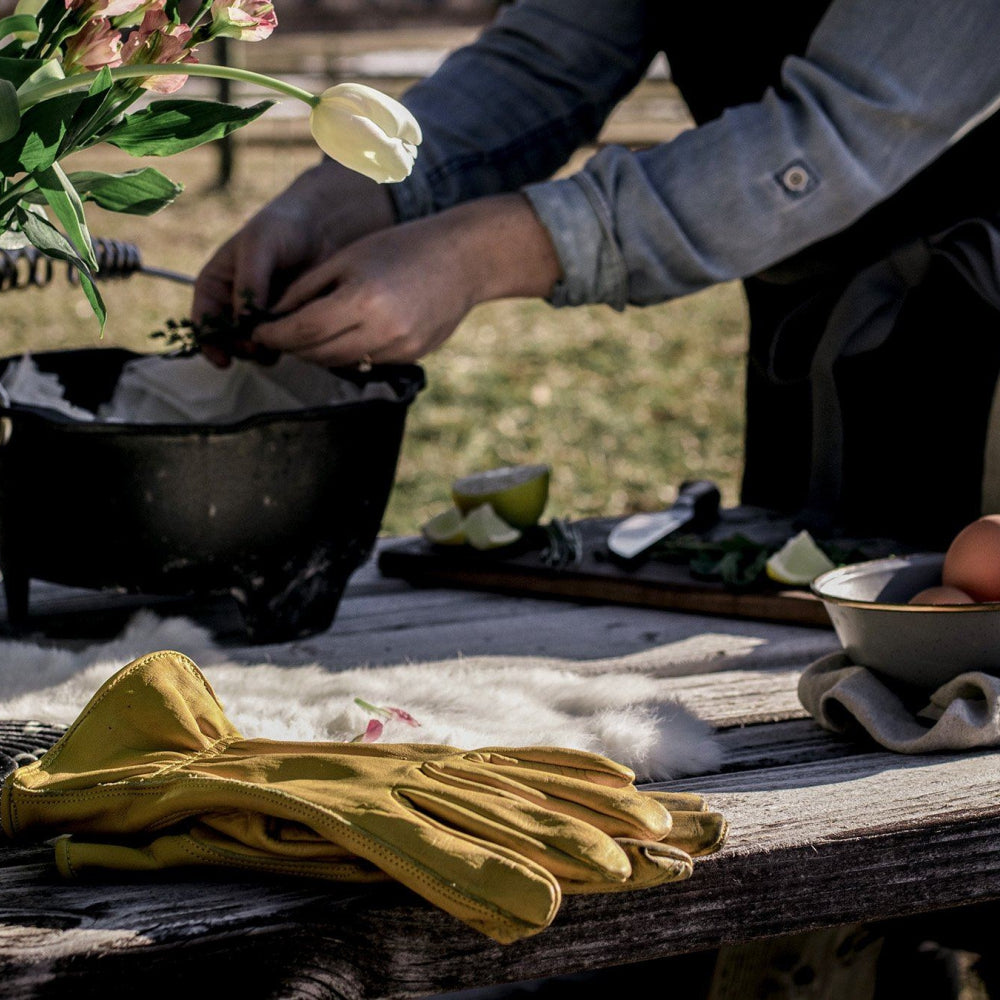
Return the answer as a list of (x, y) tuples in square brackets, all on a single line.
[(366, 131)]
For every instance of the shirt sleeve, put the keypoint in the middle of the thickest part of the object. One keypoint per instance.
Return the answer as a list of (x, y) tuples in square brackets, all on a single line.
[(514, 106), (882, 90)]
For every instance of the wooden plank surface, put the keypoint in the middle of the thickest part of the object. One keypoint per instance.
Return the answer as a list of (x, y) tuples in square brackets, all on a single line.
[(824, 830), (798, 858)]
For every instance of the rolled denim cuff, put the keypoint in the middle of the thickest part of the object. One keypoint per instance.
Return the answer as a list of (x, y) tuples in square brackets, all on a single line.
[(579, 224)]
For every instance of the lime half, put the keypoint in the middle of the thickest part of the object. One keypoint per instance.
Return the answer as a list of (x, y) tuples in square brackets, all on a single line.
[(799, 561), (446, 528), (486, 529), (517, 493)]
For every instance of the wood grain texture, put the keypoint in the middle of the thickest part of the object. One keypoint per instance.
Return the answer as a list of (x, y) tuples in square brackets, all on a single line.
[(381, 942), (824, 831)]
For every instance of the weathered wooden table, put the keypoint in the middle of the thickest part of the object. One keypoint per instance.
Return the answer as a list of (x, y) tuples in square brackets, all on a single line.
[(827, 836)]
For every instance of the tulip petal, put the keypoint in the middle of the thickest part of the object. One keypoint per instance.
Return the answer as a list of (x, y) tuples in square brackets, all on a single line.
[(392, 117), (371, 135)]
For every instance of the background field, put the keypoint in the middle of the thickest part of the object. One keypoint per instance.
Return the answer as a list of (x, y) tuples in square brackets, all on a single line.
[(622, 405)]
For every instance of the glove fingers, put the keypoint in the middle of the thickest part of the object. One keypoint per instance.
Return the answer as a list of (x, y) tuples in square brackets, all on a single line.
[(561, 845), (616, 811), (698, 833), (493, 889), (695, 828), (652, 864), (579, 764), (677, 801)]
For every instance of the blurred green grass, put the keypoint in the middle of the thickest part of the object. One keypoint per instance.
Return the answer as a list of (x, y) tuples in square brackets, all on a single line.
[(624, 406)]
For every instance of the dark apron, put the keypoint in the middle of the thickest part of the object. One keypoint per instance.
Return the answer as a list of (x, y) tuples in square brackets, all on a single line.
[(874, 354)]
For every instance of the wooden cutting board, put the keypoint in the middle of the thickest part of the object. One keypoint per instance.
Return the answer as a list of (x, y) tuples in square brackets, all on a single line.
[(594, 577)]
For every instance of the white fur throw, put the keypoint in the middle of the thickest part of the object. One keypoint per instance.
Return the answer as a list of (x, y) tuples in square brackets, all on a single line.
[(464, 702)]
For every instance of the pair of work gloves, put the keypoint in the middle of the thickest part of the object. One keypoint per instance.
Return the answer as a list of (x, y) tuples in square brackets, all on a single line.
[(153, 775)]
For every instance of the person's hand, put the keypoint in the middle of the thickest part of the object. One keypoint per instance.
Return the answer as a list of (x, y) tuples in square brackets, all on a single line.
[(325, 208), (396, 294)]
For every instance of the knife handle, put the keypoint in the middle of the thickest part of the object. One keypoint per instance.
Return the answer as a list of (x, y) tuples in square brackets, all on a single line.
[(702, 497)]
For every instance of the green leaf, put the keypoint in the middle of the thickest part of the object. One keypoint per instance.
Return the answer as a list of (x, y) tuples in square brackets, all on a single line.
[(17, 22), (168, 127), (51, 15), (66, 203), (88, 116), (137, 192), (43, 235), (50, 69), (104, 81), (10, 113), (18, 70), (37, 143), (94, 298)]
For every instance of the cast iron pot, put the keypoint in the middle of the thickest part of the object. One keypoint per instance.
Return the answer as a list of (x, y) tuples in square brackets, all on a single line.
[(277, 510)]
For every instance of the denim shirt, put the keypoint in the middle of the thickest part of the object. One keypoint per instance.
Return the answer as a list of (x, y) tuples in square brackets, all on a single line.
[(883, 88)]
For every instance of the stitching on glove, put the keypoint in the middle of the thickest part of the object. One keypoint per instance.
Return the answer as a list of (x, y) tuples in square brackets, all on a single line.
[(602, 770), (363, 843), (448, 812), (215, 750)]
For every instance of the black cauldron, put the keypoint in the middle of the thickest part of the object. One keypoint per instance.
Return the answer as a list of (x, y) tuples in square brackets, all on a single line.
[(277, 510)]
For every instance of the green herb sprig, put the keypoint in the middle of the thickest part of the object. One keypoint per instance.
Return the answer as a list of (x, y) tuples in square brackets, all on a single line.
[(232, 334)]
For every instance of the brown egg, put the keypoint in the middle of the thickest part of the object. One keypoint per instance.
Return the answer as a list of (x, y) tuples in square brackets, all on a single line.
[(972, 562), (941, 595)]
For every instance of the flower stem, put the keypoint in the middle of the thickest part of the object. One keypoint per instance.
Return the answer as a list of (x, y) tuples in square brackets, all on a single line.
[(202, 11), (82, 81), (361, 703)]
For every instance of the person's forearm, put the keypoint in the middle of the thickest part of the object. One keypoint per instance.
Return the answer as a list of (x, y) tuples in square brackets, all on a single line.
[(501, 249)]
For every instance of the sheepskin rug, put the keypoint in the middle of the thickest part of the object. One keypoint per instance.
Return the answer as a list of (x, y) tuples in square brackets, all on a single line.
[(463, 702)]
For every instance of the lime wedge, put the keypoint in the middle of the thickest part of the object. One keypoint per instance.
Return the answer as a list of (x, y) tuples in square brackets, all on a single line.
[(517, 493), (485, 529), (446, 528), (799, 561)]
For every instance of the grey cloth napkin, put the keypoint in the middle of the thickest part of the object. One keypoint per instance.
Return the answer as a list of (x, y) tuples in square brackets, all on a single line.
[(960, 715)]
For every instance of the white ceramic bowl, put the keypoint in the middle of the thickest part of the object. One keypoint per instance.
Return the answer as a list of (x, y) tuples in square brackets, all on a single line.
[(921, 645)]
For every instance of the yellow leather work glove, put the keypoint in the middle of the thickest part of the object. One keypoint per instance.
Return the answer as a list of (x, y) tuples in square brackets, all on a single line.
[(487, 835), (242, 840)]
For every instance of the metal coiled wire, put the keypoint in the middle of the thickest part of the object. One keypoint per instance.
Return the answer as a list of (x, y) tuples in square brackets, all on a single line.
[(27, 267)]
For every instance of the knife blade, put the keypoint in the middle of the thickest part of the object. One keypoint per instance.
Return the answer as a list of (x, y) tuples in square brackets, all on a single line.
[(696, 507)]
